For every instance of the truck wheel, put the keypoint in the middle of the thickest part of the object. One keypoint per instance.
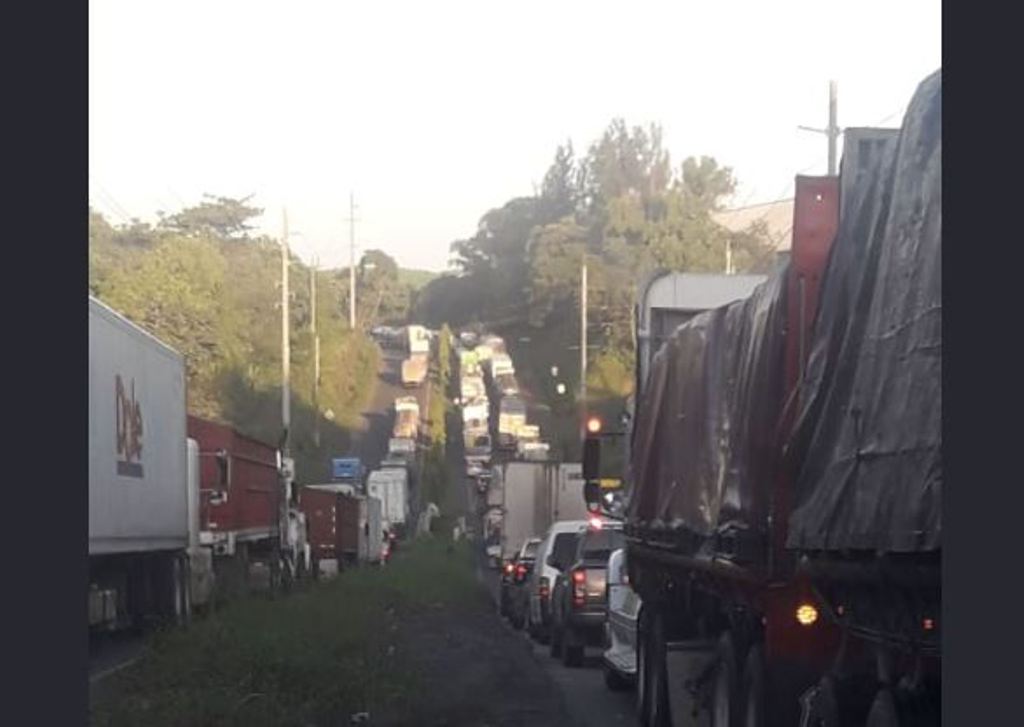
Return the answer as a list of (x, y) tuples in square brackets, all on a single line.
[(753, 689), (724, 702), (613, 680), (883, 710)]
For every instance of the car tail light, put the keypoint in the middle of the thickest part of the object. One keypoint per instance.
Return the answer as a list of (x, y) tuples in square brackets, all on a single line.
[(509, 568), (579, 587), (520, 572), (542, 589)]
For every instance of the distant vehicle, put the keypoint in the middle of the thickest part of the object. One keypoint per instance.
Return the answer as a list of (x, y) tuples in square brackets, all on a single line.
[(506, 385), (345, 526), (475, 413), (414, 370), (511, 416), (534, 451), (514, 577), (468, 339), (391, 487), (417, 340), (403, 448), (528, 433), (554, 553), (501, 365), (619, 657), (407, 418), (472, 388), (578, 598)]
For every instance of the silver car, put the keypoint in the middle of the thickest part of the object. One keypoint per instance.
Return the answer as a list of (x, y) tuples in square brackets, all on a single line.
[(620, 656)]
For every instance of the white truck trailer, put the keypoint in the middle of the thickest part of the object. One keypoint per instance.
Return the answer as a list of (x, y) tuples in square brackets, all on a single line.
[(140, 500), (391, 487)]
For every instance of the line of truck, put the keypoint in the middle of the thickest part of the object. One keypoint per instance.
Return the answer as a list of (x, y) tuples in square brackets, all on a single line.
[(783, 499)]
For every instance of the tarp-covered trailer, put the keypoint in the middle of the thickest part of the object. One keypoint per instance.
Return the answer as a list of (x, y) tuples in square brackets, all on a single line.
[(783, 512)]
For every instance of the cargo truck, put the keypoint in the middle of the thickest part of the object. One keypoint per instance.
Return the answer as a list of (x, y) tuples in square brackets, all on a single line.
[(783, 508), (511, 416), (143, 490), (241, 498), (414, 370), (417, 340), (391, 487)]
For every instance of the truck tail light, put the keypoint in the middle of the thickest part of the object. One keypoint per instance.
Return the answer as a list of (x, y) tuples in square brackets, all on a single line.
[(579, 587), (542, 589)]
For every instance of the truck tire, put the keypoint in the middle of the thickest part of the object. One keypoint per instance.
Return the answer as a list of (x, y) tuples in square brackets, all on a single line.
[(883, 710), (725, 707), (754, 714), (613, 680)]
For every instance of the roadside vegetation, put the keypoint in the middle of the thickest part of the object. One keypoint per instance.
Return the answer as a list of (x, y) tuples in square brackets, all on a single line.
[(316, 657), (201, 281)]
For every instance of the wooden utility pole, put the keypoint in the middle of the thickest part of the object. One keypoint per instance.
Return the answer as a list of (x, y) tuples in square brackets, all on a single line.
[(583, 346), (316, 351), (286, 402), (351, 261)]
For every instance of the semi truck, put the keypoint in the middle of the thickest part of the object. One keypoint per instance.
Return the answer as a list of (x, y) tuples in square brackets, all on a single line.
[(783, 500), (414, 370), (241, 498), (143, 489), (345, 527)]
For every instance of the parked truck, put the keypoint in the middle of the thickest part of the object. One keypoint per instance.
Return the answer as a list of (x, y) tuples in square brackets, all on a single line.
[(241, 499), (784, 508), (391, 487), (143, 503), (414, 370), (511, 416)]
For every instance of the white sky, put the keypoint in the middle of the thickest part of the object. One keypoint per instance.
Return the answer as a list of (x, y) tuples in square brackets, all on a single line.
[(435, 112)]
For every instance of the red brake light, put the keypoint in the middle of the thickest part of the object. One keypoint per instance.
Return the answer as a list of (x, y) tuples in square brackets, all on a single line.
[(520, 570), (579, 590)]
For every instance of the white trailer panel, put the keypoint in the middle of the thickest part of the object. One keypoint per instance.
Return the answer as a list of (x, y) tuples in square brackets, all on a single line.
[(138, 480)]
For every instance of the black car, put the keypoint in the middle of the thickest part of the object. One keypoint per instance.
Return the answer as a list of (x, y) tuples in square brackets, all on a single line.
[(514, 576), (579, 598)]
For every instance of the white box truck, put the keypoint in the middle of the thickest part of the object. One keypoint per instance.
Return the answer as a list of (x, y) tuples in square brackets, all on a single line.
[(391, 487), (140, 530)]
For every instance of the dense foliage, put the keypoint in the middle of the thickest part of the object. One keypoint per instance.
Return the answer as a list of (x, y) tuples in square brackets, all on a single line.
[(200, 282)]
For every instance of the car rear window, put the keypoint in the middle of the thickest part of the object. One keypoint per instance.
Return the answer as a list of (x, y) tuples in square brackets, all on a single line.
[(599, 544), (531, 550), (565, 547)]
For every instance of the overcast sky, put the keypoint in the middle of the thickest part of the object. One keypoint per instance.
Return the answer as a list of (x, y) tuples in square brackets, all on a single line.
[(435, 112)]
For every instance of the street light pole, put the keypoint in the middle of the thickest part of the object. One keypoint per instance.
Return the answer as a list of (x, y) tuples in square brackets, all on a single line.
[(583, 345)]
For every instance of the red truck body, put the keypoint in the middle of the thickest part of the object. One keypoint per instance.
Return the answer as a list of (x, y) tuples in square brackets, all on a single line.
[(239, 482), (332, 519)]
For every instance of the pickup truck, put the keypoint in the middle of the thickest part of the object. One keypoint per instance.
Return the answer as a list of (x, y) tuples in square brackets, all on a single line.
[(578, 599)]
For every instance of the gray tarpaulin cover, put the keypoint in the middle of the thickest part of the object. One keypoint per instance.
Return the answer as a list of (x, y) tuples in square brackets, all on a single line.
[(868, 439), (704, 440)]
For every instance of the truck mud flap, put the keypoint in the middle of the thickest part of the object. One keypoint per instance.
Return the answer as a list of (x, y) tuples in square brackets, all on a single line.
[(690, 666)]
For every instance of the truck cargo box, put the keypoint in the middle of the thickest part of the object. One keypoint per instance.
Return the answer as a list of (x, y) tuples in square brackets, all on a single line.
[(414, 370), (239, 481), (869, 433), (137, 438)]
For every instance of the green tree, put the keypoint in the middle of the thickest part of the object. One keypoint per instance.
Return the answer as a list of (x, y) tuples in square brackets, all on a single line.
[(223, 217)]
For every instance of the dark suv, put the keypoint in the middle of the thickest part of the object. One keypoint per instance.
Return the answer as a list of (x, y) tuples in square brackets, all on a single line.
[(579, 599)]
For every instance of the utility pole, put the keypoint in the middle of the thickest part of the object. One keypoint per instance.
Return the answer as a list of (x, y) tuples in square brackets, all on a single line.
[(313, 270), (832, 131), (351, 261), (286, 403), (583, 346)]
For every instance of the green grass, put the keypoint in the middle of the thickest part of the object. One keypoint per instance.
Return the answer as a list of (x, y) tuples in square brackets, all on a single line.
[(313, 658)]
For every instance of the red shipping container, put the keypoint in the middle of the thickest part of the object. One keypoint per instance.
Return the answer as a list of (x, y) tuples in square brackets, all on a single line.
[(240, 492), (321, 510)]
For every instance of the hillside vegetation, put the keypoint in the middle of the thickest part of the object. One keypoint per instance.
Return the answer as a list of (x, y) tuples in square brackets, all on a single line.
[(200, 282)]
